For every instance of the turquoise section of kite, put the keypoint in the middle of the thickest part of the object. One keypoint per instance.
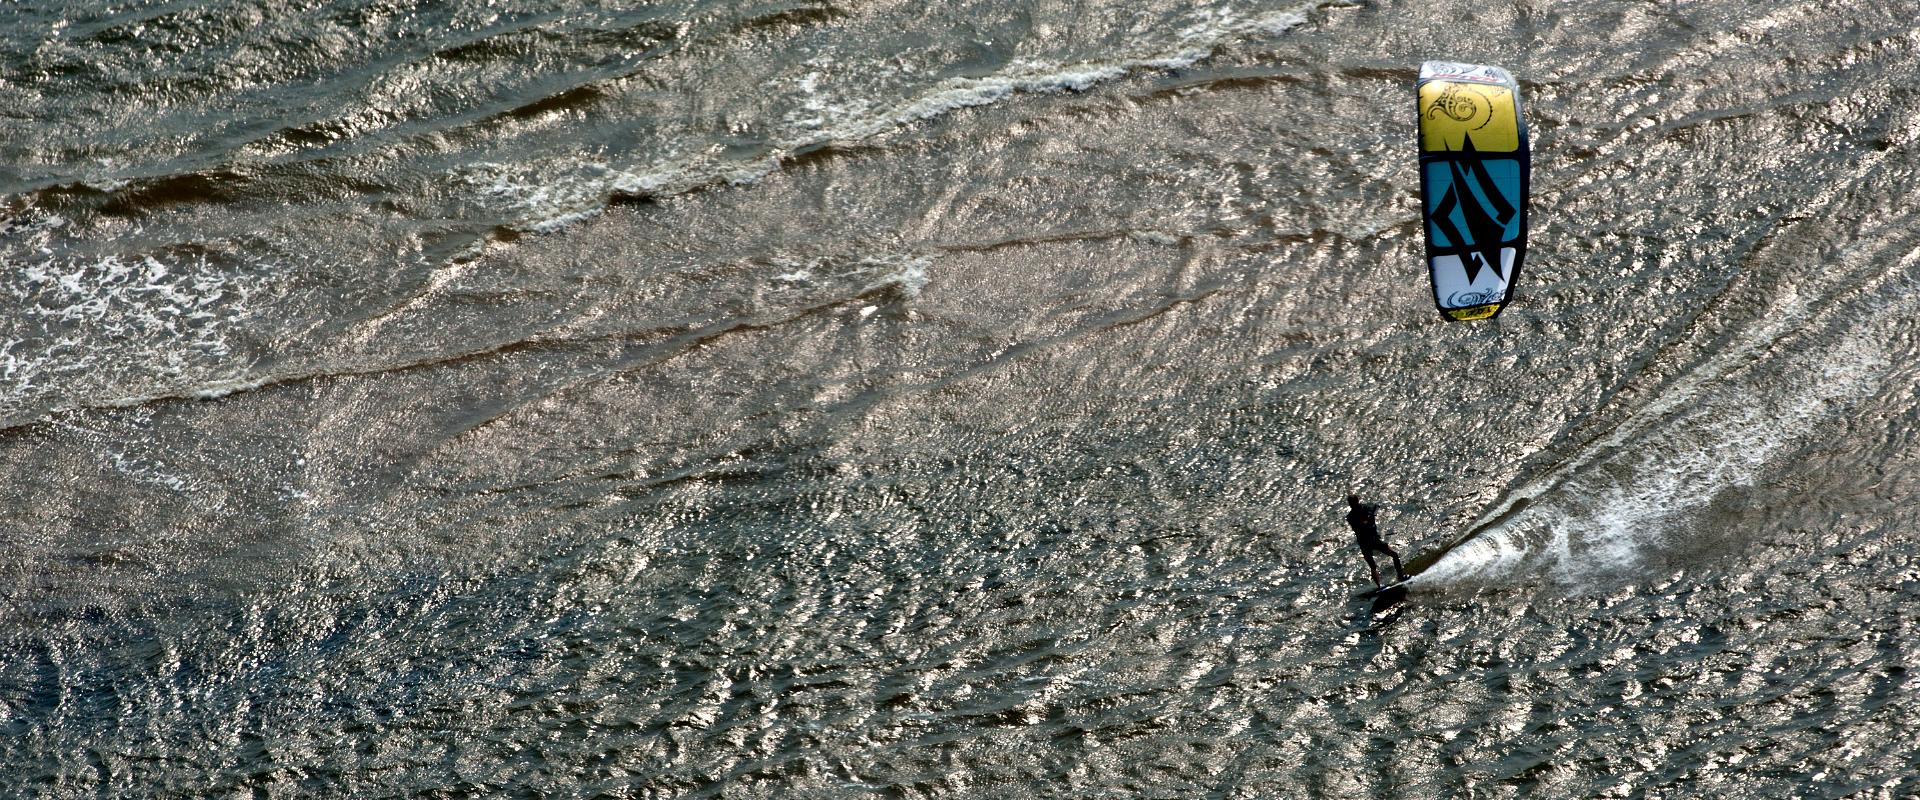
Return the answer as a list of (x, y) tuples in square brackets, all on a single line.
[(1500, 190)]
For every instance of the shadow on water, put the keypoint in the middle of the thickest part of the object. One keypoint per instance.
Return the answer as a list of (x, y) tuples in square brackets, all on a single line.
[(1382, 612), (1387, 600)]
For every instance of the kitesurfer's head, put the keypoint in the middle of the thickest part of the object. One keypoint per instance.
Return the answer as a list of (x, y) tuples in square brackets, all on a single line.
[(1353, 500)]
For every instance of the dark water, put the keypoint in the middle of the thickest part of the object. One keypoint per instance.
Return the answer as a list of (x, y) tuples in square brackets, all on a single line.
[(810, 399)]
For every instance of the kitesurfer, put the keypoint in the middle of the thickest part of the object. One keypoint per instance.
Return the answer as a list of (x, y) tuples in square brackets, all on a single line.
[(1366, 532)]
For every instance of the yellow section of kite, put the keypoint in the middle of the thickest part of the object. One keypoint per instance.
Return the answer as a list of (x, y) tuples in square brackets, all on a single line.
[(1453, 111)]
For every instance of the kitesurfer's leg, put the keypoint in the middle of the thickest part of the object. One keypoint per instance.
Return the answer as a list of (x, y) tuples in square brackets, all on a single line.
[(1371, 567), (1396, 562)]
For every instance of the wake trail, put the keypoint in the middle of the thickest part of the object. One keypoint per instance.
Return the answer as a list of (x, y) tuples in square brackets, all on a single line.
[(1815, 347)]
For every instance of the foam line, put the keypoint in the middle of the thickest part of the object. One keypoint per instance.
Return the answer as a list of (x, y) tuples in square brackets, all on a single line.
[(548, 197)]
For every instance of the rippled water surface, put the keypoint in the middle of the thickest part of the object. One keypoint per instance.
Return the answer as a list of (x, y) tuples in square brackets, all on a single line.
[(841, 399)]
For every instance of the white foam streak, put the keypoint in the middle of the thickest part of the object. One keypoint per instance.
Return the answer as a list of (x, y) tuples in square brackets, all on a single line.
[(112, 330), (907, 273), (903, 274)]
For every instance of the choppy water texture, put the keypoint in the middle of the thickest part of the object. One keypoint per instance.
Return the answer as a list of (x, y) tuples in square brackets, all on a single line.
[(841, 399)]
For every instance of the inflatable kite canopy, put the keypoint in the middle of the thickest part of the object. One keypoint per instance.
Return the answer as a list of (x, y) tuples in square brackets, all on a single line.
[(1474, 181)]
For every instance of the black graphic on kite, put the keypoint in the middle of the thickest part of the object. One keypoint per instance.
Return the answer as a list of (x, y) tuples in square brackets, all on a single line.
[(1485, 226)]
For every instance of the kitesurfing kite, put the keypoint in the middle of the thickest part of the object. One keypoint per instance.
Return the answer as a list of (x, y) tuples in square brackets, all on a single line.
[(1474, 181)]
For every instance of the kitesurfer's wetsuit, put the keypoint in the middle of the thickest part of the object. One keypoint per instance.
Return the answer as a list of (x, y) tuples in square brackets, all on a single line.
[(1366, 532)]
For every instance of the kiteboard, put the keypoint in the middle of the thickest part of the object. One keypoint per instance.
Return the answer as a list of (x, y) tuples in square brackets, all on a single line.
[(1475, 177), (1385, 597), (1396, 588)]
